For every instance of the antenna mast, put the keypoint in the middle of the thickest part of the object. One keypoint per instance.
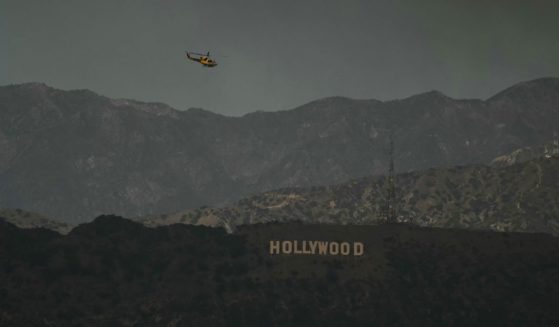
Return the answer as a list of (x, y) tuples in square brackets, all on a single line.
[(555, 144), (390, 196)]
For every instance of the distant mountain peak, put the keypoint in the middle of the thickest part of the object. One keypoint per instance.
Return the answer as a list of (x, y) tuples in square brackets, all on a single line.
[(335, 104), (337, 100), (34, 85), (539, 85), (156, 108), (436, 93), (542, 81), (432, 95), (201, 112)]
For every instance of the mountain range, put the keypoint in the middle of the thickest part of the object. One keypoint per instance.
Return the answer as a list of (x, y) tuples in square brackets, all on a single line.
[(75, 154)]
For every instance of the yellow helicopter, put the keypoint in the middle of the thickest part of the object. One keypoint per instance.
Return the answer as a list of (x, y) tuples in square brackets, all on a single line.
[(203, 59)]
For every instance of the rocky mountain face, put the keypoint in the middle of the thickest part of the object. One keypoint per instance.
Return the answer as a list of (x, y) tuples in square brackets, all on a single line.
[(527, 153), (113, 272), (522, 197), (76, 155), (26, 219)]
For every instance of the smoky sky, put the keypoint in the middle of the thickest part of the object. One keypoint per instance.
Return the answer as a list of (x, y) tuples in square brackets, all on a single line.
[(276, 55)]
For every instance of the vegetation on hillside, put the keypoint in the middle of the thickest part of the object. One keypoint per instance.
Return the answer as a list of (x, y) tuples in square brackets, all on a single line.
[(522, 197), (114, 272)]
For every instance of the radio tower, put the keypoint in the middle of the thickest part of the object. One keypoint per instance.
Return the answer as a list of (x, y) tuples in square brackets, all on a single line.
[(555, 151), (390, 194)]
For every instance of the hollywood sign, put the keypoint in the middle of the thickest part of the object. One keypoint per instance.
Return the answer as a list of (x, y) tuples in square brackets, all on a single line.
[(316, 248)]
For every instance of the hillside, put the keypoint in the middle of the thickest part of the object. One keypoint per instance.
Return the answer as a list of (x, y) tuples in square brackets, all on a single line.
[(521, 197), (76, 154), (26, 219), (526, 154), (113, 272)]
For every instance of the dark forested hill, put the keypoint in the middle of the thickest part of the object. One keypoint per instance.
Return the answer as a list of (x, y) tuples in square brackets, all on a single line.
[(113, 272), (76, 154)]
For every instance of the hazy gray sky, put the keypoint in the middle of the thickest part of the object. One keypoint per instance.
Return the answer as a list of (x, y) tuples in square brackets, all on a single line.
[(280, 54)]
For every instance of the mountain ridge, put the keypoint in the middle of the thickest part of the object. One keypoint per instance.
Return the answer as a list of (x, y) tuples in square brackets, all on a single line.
[(77, 155), (545, 81)]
